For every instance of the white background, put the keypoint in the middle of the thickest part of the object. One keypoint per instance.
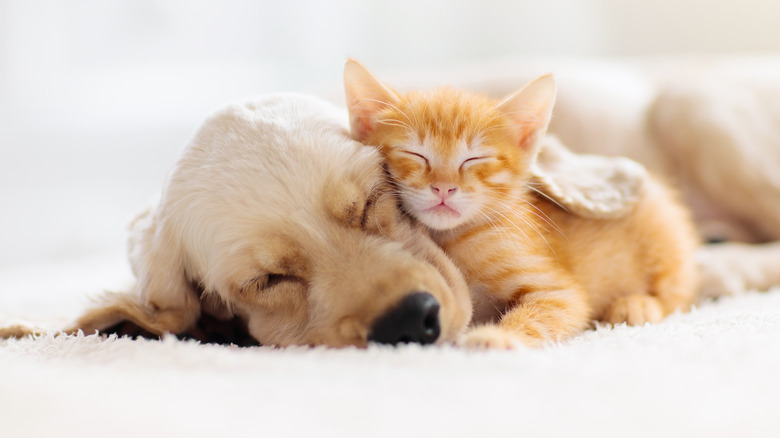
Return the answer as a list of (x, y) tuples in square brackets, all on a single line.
[(97, 97)]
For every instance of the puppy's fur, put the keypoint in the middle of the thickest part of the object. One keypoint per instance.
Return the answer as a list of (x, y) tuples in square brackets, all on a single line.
[(273, 214)]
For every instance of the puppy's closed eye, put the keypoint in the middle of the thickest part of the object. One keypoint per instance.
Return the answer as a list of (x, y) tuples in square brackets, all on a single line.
[(273, 280), (265, 283), (369, 209)]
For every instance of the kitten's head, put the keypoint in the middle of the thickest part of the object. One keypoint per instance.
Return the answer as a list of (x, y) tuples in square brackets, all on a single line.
[(455, 156)]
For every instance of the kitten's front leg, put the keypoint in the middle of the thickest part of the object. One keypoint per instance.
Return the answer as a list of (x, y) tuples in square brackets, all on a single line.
[(538, 315), (495, 337)]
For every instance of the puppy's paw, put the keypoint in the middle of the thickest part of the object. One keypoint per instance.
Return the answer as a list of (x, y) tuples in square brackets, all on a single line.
[(719, 281), (635, 309), (19, 331), (493, 337)]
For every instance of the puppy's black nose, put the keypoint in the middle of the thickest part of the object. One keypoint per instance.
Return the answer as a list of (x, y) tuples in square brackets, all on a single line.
[(414, 319)]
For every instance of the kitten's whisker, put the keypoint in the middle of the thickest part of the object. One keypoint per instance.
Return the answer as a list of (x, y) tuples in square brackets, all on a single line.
[(503, 233), (504, 207), (542, 215), (485, 120), (496, 126), (546, 196), (547, 219), (506, 220), (394, 122), (525, 221), (390, 105), (530, 114), (493, 225)]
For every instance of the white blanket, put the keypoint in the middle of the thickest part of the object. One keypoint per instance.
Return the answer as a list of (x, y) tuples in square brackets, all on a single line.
[(712, 372)]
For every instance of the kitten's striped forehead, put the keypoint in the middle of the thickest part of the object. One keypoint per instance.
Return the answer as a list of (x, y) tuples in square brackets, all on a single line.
[(449, 123), (448, 113), (444, 152)]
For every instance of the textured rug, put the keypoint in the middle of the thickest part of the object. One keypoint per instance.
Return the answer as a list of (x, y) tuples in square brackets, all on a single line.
[(712, 372)]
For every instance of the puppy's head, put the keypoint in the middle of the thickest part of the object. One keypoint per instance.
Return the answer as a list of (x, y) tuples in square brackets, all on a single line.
[(274, 211)]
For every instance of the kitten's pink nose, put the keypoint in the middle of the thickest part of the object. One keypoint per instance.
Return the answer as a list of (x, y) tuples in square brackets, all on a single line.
[(444, 191)]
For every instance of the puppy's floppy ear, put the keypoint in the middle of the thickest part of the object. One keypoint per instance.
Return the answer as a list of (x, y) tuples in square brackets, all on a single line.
[(529, 111), (163, 300), (590, 186), (366, 96)]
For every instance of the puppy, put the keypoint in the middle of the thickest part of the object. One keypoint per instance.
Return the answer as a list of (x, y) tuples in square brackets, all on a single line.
[(274, 215)]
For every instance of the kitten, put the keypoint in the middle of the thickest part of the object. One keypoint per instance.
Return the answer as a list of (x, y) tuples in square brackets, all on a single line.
[(461, 164)]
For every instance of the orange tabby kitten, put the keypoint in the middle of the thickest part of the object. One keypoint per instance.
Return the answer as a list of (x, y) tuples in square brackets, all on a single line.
[(461, 164)]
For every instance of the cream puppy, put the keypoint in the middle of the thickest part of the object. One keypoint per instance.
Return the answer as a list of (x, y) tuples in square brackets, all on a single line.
[(274, 215)]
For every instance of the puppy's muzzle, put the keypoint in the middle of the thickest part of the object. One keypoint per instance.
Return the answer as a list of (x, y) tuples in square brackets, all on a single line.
[(414, 319)]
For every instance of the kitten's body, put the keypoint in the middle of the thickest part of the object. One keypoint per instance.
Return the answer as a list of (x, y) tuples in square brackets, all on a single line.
[(588, 266), (462, 165)]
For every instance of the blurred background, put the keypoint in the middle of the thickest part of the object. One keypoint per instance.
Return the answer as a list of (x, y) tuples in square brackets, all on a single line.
[(97, 97)]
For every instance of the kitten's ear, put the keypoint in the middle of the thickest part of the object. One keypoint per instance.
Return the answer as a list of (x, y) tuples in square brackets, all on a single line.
[(590, 186), (531, 109), (366, 96)]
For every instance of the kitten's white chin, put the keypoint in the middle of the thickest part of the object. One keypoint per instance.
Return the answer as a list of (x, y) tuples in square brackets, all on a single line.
[(436, 215), (440, 217)]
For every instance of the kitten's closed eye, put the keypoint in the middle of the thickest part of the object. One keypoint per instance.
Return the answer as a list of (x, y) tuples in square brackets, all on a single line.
[(419, 157), (474, 160)]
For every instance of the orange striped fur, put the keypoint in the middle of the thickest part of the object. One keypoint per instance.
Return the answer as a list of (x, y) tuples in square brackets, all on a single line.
[(461, 165)]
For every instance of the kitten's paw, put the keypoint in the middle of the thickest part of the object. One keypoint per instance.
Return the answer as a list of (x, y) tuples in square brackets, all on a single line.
[(635, 309), (492, 337)]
